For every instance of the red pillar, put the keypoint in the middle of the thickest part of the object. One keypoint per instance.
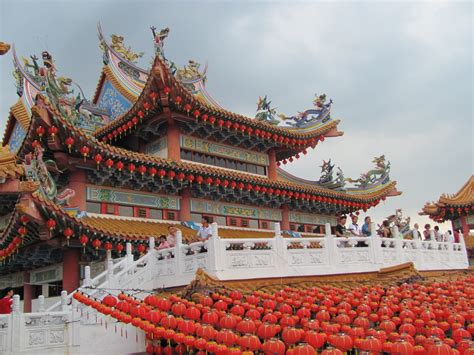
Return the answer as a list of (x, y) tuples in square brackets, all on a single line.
[(185, 212), (285, 217), (173, 135), (272, 167), (464, 226), (77, 182), (27, 292), (71, 260)]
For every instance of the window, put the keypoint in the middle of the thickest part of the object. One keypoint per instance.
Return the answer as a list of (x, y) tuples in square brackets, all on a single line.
[(261, 170), (156, 214), (252, 168), (231, 164), (241, 166), (108, 208), (253, 223), (141, 212), (211, 219), (126, 211), (264, 225), (232, 222), (244, 223), (220, 162), (93, 207), (171, 215), (196, 217), (293, 227)]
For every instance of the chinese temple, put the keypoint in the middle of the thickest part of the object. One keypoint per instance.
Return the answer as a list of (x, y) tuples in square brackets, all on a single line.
[(457, 208), (87, 184)]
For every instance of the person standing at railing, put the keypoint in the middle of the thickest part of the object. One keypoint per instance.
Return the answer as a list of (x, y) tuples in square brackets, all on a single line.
[(205, 231), (386, 232), (7, 301), (171, 238), (367, 227), (449, 237), (340, 229), (416, 231), (438, 234), (355, 230), (427, 232), (163, 243)]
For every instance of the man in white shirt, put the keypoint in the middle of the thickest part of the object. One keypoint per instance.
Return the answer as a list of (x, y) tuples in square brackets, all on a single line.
[(354, 228), (205, 231)]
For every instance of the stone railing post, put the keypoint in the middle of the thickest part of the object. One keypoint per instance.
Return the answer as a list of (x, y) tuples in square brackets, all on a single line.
[(87, 282), (280, 259), (16, 304), (462, 243), (64, 301), (331, 248), (432, 237), (178, 254), (16, 327), (40, 303), (129, 254), (110, 273), (151, 244), (214, 250), (397, 238), (376, 245)]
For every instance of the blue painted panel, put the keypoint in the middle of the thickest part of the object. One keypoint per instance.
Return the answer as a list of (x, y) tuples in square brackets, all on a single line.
[(113, 101), (18, 134)]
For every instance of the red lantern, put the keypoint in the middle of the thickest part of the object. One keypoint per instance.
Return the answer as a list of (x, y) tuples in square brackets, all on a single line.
[(109, 163), (53, 130), (131, 168), (51, 224), (69, 142), (68, 232), (141, 248), (83, 239), (98, 158), (85, 151), (40, 131), (108, 246), (119, 165)]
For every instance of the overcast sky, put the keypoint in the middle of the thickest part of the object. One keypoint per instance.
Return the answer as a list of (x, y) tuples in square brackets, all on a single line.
[(400, 73)]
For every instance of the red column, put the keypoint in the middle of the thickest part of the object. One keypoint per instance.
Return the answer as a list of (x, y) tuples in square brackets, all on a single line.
[(185, 211), (27, 292), (174, 151), (77, 182), (464, 226), (71, 260), (272, 167), (285, 218)]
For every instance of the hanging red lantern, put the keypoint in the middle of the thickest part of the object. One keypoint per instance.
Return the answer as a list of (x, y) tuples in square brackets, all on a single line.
[(196, 113), (141, 248), (119, 166), (52, 131), (22, 231), (119, 248), (83, 239), (96, 243), (131, 168), (152, 171), (51, 224), (69, 142), (36, 144), (40, 131), (153, 95), (108, 246), (98, 158), (178, 100), (142, 170), (109, 163), (68, 232), (85, 151)]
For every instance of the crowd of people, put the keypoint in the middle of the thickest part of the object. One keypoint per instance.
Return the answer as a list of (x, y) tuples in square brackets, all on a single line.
[(169, 241), (386, 230)]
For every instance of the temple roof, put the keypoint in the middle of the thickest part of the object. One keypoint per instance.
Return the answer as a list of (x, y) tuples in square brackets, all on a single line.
[(9, 168), (452, 206)]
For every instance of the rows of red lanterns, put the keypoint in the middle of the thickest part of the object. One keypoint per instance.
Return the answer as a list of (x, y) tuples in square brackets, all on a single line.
[(142, 170), (240, 128), (453, 212), (12, 247), (433, 318)]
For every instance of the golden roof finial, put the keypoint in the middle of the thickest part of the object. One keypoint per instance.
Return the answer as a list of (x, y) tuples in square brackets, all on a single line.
[(4, 48)]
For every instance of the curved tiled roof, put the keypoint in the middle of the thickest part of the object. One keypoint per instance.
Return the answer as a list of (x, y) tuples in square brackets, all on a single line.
[(9, 169), (464, 198)]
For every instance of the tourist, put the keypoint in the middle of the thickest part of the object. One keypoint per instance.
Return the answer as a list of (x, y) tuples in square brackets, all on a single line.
[(427, 232), (438, 234), (416, 231), (449, 237), (205, 231), (340, 229), (171, 237), (386, 232), (354, 228), (6, 302), (300, 228), (163, 243), (367, 227)]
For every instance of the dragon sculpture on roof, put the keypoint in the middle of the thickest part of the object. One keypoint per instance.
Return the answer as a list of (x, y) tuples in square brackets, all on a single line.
[(126, 52), (4, 48), (327, 176), (265, 112), (379, 174), (320, 112)]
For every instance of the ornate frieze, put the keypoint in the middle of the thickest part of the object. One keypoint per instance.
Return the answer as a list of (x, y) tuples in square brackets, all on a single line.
[(209, 207), (132, 199), (225, 151), (158, 147), (308, 218), (49, 274), (113, 101)]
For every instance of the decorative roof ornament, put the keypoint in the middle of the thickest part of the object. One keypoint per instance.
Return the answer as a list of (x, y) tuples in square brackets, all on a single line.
[(327, 176), (321, 112), (127, 53), (159, 39), (265, 112), (190, 72), (4, 48), (378, 175)]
